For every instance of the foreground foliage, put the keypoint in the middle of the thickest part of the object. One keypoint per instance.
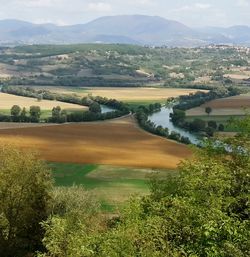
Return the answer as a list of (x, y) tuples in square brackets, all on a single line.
[(24, 201), (204, 211), (201, 211)]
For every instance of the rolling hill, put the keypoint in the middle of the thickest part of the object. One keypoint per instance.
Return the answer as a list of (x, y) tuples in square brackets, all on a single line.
[(129, 29)]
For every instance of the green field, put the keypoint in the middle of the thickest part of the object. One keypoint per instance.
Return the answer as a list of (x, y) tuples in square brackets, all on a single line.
[(112, 185), (225, 120), (44, 113)]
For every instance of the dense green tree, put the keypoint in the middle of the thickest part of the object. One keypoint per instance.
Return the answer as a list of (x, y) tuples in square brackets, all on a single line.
[(208, 110), (202, 211), (15, 110), (76, 220), (221, 127), (197, 125), (95, 107), (24, 194), (178, 116), (212, 124), (23, 115), (35, 113), (210, 131), (56, 113)]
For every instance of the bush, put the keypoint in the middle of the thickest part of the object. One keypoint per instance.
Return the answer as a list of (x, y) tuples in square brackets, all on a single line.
[(24, 194)]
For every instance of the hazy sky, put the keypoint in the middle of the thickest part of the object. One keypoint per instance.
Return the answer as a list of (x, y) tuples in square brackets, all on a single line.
[(191, 12)]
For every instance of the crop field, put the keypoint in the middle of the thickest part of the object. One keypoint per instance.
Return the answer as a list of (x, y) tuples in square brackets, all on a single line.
[(15, 125), (111, 184), (231, 106), (8, 100), (140, 94), (118, 142)]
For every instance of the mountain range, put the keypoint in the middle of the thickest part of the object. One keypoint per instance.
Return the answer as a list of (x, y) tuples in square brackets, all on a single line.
[(123, 29)]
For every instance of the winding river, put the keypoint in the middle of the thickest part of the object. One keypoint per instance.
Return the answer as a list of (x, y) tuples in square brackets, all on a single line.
[(106, 109), (162, 118)]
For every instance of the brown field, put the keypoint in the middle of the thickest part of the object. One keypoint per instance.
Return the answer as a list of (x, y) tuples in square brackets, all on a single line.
[(126, 94), (14, 125), (7, 101), (235, 105), (117, 142)]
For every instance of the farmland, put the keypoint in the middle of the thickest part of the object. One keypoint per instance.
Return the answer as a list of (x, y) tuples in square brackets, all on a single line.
[(144, 94), (118, 142), (7, 101), (111, 184), (230, 106), (123, 66)]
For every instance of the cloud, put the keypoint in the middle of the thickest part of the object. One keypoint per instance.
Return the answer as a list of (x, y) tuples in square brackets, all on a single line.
[(193, 7), (202, 6), (243, 3), (99, 7), (144, 2), (38, 3)]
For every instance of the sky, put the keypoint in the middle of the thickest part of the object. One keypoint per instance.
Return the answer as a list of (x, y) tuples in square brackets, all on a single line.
[(194, 13)]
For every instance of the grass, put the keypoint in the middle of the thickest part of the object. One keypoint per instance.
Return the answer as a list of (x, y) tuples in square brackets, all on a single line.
[(68, 174), (112, 185)]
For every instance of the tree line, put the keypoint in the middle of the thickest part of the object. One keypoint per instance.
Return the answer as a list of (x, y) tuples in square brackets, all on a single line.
[(178, 117), (197, 99), (185, 102), (58, 115)]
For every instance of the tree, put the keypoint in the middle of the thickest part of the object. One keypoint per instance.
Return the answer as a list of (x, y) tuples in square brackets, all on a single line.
[(212, 124), (56, 113), (35, 113), (15, 110), (201, 211), (178, 116), (76, 219), (210, 131), (24, 193), (197, 125), (63, 116), (39, 98), (208, 110), (23, 115), (221, 127), (95, 107)]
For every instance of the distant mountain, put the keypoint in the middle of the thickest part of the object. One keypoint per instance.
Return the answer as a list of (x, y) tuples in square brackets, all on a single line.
[(234, 34), (128, 29)]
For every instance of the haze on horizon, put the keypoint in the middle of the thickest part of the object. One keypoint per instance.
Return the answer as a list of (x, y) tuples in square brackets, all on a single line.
[(195, 13)]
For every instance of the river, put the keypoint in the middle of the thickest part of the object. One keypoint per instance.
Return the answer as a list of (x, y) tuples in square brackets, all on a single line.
[(162, 118), (106, 109)]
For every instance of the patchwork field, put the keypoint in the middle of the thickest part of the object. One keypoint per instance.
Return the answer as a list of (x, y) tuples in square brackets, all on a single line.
[(117, 142), (126, 94), (7, 101), (111, 184), (231, 106)]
